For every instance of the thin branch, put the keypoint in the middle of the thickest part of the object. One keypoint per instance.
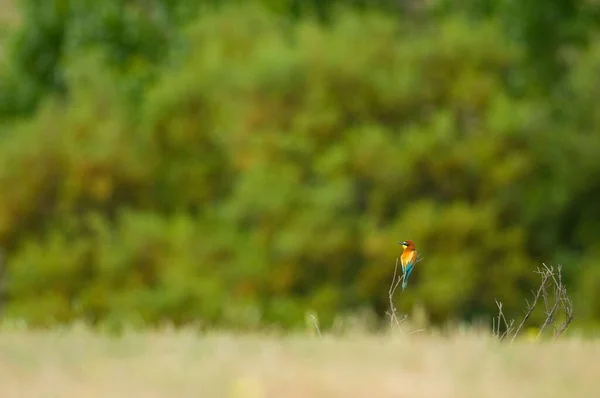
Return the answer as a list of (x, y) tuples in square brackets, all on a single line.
[(531, 307), (316, 323), (550, 317), (392, 313), (549, 276), (550, 310), (393, 286), (566, 305), (508, 325)]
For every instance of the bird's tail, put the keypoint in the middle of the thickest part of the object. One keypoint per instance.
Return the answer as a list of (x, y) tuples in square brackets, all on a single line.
[(406, 275)]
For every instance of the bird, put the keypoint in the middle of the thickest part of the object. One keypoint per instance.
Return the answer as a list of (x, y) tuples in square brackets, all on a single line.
[(408, 259)]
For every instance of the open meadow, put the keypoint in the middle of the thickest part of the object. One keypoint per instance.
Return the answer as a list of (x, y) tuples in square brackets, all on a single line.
[(79, 363)]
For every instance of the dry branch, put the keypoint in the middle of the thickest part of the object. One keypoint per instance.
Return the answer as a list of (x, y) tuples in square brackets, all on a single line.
[(393, 286), (559, 299), (316, 324), (501, 320), (392, 313)]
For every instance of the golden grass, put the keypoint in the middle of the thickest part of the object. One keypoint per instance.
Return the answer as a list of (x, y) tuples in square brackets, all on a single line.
[(79, 363)]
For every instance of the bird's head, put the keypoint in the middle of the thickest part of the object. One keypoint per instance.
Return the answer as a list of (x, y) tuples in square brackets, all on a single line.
[(408, 244)]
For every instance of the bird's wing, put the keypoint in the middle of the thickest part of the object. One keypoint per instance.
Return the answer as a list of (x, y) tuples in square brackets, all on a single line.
[(410, 260), (413, 257), (402, 265), (407, 260)]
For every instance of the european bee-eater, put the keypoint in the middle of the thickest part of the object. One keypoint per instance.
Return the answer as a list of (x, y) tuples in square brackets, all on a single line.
[(408, 259)]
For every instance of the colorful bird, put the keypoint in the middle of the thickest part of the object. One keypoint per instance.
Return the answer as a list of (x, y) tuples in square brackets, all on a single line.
[(408, 259)]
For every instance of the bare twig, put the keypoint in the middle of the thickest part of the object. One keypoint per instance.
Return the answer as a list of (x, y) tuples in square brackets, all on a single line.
[(394, 285), (550, 309), (316, 323), (549, 277), (415, 331), (392, 313), (545, 275), (501, 321), (566, 305)]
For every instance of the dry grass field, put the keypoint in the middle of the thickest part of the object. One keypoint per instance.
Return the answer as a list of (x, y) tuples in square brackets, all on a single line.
[(81, 364)]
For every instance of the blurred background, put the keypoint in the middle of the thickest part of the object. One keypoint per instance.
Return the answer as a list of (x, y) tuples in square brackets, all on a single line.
[(244, 163)]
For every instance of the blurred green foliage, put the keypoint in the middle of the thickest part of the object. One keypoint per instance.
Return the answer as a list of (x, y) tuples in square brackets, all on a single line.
[(245, 164)]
